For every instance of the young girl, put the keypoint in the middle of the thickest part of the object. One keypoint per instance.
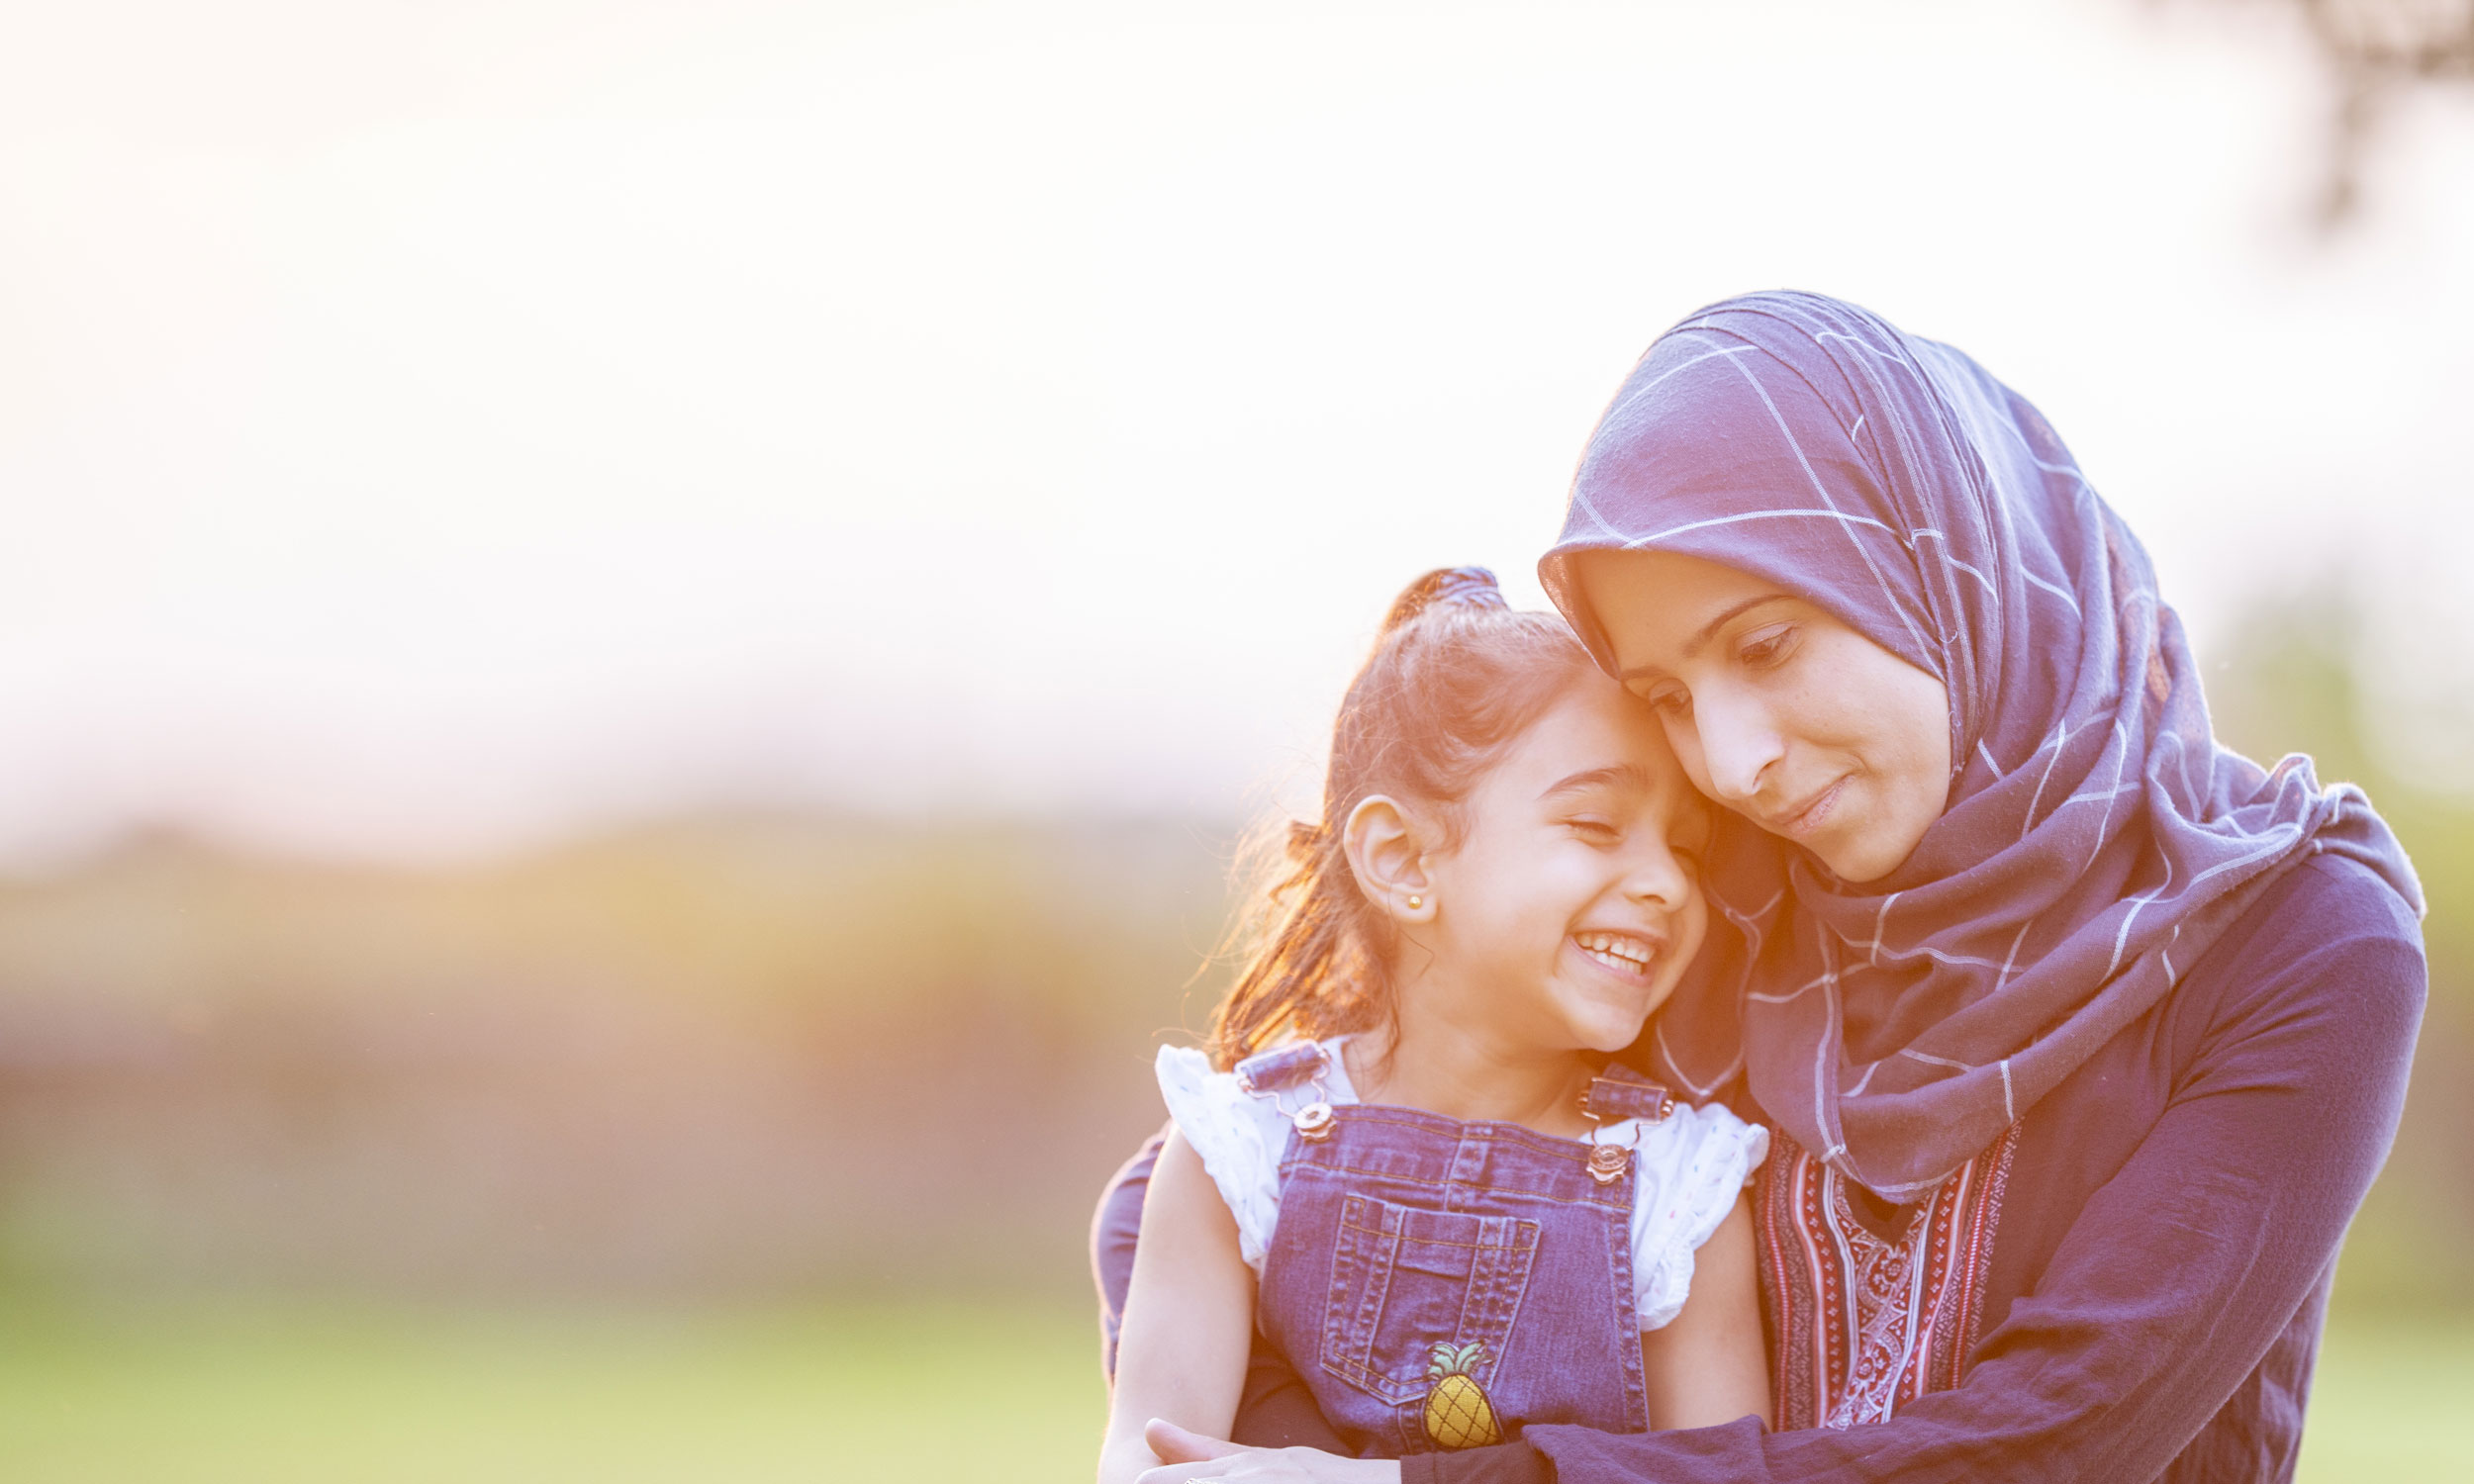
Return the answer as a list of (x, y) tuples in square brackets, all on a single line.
[(1408, 1160)]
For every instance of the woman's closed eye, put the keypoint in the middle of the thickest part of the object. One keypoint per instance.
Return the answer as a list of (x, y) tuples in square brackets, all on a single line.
[(1667, 699), (1767, 645), (1593, 829)]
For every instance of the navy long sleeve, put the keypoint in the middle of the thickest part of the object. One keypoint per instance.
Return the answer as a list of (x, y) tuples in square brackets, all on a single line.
[(2161, 1268)]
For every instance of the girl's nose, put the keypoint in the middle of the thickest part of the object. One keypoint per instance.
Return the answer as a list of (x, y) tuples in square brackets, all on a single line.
[(1738, 744), (1659, 877)]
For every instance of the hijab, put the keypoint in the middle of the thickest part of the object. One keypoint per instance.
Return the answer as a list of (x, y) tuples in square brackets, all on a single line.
[(2096, 840)]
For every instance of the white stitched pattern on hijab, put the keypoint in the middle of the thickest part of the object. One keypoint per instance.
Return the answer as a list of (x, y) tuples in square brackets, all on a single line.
[(1735, 441)]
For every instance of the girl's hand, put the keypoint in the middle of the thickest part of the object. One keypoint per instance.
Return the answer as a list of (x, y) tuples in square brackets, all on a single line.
[(1190, 1458)]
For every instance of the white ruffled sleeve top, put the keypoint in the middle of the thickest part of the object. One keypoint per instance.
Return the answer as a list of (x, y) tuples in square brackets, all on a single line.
[(1687, 1166)]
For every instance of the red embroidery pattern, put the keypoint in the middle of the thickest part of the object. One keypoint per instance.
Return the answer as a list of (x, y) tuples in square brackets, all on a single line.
[(1865, 1324)]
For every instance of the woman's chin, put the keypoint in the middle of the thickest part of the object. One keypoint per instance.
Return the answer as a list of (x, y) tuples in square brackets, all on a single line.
[(1869, 835)]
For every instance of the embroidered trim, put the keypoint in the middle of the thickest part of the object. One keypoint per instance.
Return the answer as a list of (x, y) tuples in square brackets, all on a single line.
[(1865, 1323)]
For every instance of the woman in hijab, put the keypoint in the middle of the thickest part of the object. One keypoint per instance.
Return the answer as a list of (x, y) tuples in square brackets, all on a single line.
[(2084, 1036)]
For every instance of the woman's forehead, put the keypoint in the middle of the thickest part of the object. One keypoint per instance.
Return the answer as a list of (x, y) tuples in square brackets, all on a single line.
[(1663, 606)]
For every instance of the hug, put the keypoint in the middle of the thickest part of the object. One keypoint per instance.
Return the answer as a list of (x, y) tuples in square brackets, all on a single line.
[(1826, 1007)]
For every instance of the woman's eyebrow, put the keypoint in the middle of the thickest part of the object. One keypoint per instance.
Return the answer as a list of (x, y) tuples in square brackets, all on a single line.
[(1614, 775), (1708, 632)]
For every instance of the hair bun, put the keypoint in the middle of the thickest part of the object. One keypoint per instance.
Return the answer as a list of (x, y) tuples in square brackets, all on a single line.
[(1445, 587)]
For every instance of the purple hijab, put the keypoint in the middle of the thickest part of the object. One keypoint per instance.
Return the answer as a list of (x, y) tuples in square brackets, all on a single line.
[(2097, 839)]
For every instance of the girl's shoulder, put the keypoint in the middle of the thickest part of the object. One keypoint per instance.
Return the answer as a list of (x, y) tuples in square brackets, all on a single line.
[(1707, 1120), (1271, 1084), (1240, 1129), (1691, 1167), (1702, 1135)]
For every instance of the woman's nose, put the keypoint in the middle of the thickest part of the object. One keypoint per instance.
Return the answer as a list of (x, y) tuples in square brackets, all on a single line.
[(1738, 745)]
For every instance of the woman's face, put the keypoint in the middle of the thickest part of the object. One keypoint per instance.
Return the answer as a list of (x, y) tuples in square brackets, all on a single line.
[(1777, 709)]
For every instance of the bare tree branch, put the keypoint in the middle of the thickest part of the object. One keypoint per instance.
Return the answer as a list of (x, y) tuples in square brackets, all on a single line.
[(2376, 51)]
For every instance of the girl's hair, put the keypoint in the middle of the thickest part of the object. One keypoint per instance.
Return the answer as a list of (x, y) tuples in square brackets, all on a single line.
[(1455, 676)]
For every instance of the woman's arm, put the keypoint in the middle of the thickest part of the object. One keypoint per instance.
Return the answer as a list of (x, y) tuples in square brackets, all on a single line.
[(1706, 1366), (1188, 1317), (2163, 1296)]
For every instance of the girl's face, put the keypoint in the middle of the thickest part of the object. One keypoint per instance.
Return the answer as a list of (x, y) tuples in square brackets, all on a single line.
[(1571, 901), (1776, 708)]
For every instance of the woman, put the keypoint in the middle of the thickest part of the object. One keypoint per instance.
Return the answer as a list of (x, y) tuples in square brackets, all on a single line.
[(2082, 1035)]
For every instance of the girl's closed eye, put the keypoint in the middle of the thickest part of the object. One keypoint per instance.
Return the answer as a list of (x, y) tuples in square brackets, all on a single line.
[(1594, 830)]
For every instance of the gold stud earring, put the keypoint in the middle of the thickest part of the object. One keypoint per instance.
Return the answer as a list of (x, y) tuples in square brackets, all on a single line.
[(1416, 903)]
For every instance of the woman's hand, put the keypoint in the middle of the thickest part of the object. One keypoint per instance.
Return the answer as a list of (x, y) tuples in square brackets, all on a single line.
[(1190, 1458)]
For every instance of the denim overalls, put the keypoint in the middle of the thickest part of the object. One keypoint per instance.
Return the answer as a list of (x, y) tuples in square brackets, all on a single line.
[(1442, 1285)]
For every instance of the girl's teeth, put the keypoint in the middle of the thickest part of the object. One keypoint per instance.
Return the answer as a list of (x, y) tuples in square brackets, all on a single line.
[(1616, 950)]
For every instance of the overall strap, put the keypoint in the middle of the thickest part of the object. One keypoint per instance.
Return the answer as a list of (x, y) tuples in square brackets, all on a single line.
[(1618, 1092), (1267, 1073), (1615, 1095)]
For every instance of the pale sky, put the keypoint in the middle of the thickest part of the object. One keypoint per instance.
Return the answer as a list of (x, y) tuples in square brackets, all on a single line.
[(429, 430)]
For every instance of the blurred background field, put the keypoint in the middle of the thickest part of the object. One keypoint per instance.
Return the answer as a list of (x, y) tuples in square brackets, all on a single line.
[(744, 1148), (927, 1390), (636, 638), (936, 1392)]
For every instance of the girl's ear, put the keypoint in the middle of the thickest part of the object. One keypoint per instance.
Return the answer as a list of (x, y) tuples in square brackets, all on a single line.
[(1386, 847)]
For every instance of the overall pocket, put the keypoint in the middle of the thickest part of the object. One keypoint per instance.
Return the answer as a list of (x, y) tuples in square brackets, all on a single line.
[(1404, 1279)]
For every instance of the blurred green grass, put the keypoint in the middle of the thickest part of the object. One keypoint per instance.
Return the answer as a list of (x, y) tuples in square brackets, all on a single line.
[(2388, 1401), (283, 1390), (184, 1392)]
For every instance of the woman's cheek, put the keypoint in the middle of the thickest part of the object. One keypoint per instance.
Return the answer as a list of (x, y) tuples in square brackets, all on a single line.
[(1922, 782)]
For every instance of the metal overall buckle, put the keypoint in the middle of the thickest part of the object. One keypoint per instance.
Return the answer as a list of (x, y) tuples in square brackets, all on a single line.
[(1272, 1072), (1622, 1095)]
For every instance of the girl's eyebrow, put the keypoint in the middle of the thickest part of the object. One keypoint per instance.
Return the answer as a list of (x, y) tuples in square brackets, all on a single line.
[(1692, 646), (1615, 775)]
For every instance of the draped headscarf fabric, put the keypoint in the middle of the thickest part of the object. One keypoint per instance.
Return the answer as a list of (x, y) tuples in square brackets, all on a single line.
[(2096, 839)]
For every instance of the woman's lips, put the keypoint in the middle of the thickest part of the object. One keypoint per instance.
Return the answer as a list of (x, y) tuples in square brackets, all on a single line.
[(1812, 815)]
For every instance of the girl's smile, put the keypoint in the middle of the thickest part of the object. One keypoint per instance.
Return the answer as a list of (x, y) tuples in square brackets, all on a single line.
[(1624, 953), (1565, 902)]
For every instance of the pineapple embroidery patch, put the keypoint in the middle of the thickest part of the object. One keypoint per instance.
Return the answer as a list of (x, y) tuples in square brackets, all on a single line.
[(1458, 1413)]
